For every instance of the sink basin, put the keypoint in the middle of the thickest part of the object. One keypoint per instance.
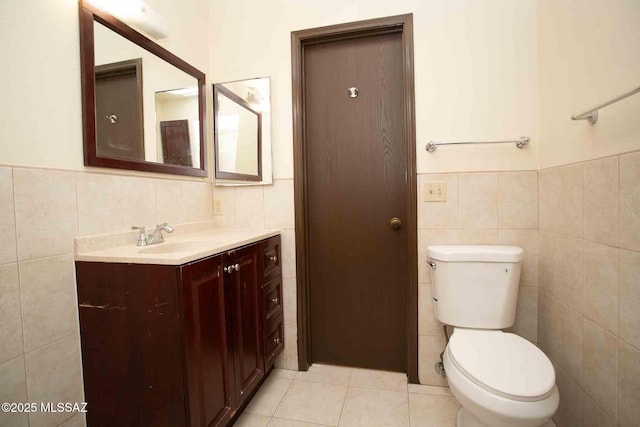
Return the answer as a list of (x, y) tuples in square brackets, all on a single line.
[(184, 246)]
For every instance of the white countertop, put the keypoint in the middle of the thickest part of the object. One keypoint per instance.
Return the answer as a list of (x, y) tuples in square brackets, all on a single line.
[(183, 247)]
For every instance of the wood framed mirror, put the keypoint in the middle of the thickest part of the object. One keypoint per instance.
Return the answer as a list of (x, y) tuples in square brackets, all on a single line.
[(237, 136), (143, 107)]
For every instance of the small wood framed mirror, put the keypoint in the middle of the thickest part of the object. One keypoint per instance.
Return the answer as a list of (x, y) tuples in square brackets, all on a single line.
[(240, 129)]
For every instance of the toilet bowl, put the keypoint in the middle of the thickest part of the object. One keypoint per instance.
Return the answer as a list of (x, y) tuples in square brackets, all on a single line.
[(500, 379)]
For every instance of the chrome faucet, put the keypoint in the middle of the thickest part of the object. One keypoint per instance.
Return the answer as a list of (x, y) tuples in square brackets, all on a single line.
[(154, 237)]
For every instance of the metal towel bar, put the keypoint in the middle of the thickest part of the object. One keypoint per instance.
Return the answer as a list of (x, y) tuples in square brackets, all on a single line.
[(520, 143), (591, 115)]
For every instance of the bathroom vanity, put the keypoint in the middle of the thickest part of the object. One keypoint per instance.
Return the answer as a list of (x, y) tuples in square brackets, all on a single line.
[(182, 334)]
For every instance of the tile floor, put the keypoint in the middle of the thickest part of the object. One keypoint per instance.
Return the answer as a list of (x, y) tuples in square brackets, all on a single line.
[(338, 396), (348, 397)]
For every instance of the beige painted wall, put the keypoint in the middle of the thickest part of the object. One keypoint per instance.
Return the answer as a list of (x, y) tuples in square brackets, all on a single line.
[(42, 125), (475, 67), (588, 53)]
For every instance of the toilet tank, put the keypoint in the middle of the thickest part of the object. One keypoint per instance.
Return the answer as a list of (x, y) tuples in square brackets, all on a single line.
[(475, 286)]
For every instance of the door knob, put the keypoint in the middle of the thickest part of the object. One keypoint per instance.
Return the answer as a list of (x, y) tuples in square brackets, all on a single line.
[(395, 223)]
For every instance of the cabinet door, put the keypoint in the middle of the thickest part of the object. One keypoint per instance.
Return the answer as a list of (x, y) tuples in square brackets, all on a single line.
[(246, 330), (205, 342)]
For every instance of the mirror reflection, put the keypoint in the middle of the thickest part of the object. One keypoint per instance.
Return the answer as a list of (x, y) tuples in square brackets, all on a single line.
[(242, 129), (146, 109)]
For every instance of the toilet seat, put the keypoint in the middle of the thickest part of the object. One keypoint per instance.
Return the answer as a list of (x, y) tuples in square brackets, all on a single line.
[(504, 364)]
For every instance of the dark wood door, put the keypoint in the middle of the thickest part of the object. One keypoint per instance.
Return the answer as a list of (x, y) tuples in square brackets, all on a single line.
[(205, 341), (176, 146), (119, 116), (243, 288), (356, 183)]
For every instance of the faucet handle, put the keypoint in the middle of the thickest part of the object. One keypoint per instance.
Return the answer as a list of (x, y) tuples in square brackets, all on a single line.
[(165, 226), (142, 236)]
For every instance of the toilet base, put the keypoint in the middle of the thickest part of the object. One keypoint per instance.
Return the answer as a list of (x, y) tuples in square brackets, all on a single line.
[(467, 419)]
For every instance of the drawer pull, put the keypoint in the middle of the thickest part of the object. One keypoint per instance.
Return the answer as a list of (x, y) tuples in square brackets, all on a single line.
[(237, 267), (273, 258), (275, 300), (276, 340)]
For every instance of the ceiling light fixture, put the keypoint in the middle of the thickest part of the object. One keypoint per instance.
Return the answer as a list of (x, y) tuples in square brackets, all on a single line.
[(137, 13)]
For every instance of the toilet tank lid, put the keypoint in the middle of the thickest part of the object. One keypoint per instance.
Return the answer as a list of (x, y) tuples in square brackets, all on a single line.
[(480, 253)]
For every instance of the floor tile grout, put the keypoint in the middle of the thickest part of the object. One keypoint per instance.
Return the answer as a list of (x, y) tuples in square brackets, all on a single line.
[(344, 402), (421, 411), (282, 398)]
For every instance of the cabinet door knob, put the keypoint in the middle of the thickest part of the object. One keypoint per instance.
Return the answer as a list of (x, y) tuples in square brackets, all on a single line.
[(236, 266), (273, 258), (275, 300), (227, 269)]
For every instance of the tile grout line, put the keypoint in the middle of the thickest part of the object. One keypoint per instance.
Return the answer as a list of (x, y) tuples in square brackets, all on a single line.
[(619, 274), (282, 398), (53, 342), (25, 372), (597, 404), (67, 419), (344, 401), (619, 218), (15, 222)]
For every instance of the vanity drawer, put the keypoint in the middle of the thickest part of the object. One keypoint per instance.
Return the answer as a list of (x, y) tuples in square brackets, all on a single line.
[(271, 254), (273, 340), (272, 298)]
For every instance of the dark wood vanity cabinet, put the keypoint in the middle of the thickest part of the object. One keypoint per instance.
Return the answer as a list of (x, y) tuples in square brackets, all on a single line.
[(179, 345)]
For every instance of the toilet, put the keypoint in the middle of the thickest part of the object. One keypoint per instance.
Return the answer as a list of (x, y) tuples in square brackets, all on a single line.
[(499, 378)]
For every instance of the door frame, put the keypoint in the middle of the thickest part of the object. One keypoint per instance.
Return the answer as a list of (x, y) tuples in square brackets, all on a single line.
[(299, 39)]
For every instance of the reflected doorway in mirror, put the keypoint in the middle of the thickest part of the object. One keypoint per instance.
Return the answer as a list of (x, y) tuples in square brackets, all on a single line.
[(119, 110)]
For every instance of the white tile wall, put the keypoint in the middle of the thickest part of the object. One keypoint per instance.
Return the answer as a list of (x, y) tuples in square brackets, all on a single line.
[(139, 202), (589, 288), (8, 251), (99, 203), (49, 302), (40, 213), (481, 208), (11, 344), (46, 212)]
